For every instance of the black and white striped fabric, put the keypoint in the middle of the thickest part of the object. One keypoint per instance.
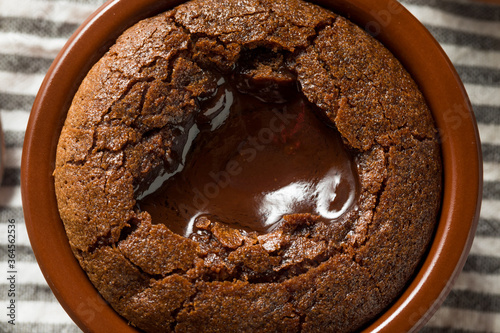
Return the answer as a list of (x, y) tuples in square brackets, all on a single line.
[(33, 31)]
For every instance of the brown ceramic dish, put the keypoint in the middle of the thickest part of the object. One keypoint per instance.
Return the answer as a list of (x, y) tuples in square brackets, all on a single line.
[(393, 26), (495, 2)]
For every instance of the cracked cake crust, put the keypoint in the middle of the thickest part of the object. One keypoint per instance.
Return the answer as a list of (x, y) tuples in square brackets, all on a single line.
[(124, 127)]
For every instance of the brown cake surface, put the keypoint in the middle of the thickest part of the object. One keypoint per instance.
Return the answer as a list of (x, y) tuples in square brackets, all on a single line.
[(181, 100)]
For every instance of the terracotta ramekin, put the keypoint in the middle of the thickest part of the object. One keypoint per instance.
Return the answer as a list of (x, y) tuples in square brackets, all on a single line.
[(388, 21)]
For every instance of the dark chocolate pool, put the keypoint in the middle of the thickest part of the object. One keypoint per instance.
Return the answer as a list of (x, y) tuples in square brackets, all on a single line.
[(257, 152)]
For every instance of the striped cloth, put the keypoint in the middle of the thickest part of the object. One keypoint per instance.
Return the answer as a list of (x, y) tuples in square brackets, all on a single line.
[(33, 31)]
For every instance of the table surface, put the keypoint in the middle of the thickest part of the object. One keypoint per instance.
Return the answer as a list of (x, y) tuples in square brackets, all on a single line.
[(33, 31)]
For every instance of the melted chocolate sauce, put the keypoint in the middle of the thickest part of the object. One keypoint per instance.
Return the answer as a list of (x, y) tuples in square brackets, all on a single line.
[(247, 163)]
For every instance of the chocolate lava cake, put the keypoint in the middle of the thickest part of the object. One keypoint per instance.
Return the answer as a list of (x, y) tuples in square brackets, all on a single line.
[(248, 166)]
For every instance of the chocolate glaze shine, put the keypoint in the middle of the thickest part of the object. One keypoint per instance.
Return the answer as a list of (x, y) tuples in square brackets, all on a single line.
[(255, 157)]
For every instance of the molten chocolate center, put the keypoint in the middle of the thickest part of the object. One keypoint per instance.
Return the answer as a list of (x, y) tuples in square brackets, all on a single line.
[(250, 162)]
